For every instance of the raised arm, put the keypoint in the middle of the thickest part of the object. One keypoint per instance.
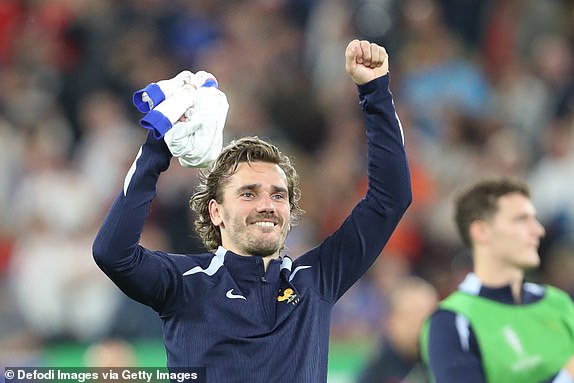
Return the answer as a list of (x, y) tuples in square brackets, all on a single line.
[(346, 255), (185, 116), (143, 275)]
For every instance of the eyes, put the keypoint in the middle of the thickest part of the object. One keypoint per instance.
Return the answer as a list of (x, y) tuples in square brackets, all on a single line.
[(525, 218), (249, 195)]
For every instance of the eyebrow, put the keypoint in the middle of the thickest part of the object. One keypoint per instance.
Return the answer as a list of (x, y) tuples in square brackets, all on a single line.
[(256, 187), (523, 215)]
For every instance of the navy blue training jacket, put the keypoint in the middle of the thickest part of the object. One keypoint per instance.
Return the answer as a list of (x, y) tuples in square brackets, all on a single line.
[(222, 311)]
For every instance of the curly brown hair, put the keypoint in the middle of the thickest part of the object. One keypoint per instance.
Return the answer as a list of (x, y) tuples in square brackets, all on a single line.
[(246, 149)]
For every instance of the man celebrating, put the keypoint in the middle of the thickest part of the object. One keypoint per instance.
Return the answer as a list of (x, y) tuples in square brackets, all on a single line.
[(245, 311)]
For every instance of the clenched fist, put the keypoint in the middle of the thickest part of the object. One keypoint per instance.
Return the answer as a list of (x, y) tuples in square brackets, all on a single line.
[(365, 61)]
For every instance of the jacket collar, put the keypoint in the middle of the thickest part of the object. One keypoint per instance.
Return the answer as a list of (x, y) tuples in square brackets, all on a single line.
[(471, 284), (250, 268)]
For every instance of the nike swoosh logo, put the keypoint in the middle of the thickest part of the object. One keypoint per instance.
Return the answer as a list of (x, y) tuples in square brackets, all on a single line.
[(297, 269), (230, 295)]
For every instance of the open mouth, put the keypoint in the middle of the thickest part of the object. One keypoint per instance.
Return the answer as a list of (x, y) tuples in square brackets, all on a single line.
[(264, 224)]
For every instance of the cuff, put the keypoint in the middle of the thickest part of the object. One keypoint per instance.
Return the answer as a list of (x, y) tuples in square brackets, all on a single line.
[(154, 93), (563, 377), (373, 85), (157, 122)]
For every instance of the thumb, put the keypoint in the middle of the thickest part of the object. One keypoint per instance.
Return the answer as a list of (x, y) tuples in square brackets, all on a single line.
[(351, 53)]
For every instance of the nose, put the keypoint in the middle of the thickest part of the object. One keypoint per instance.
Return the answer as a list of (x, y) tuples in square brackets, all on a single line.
[(539, 229), (266, 205)]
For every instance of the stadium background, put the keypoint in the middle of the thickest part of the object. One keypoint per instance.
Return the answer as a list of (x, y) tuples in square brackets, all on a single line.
[(482, 87)]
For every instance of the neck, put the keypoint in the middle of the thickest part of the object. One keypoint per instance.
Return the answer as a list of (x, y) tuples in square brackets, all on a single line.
[(498, 276), (266, 259)]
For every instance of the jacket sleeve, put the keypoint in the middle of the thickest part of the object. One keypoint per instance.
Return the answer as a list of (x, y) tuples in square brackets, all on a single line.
[(453, 353), (347, 254), (146, 276)]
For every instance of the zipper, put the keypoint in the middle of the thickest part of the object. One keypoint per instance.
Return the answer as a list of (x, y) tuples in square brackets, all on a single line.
[(262, 286)]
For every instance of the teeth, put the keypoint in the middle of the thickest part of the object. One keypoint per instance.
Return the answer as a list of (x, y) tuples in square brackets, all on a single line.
[(264, 224)]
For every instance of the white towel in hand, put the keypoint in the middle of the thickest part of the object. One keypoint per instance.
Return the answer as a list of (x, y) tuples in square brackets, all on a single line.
[(147, 98), (181, 96), (168, 112), (198, 140), (153, 94)]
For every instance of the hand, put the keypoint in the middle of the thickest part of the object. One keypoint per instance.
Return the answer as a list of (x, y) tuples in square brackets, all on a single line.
[(197, 138), (365, 61), (569, 367)]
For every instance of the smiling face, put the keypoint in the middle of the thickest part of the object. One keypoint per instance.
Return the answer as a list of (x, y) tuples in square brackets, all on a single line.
[(254, 213)]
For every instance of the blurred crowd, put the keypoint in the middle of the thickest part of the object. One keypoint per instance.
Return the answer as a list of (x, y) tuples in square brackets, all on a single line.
[(482, 87)]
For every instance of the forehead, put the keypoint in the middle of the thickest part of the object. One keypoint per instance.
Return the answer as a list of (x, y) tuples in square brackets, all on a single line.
[(515, 203), (264, 173)]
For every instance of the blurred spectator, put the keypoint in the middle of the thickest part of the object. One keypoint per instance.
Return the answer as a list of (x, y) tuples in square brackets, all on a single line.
[(101, 155), (437, 80), (558, 267), (549, 179), (397, 358), (57, 288), (110, 353)]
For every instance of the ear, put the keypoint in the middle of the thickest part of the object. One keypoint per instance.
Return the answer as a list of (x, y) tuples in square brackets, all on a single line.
[(479, 231), (215, 212)]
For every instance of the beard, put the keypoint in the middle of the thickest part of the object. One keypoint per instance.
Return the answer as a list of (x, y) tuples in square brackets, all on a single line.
[(255, 241), (263, 248)]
